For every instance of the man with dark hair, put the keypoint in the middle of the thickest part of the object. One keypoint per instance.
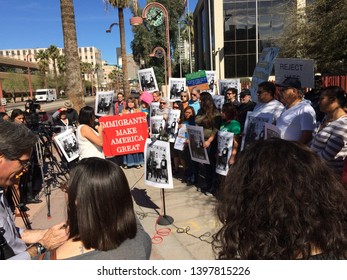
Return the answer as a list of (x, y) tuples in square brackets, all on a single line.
[(231, 97), (267, 102), (16, 144)]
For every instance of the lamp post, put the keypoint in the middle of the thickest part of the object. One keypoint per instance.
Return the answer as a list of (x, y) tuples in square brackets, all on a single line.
[(154, 13), (159, 52), (29, 78), (109, 31)]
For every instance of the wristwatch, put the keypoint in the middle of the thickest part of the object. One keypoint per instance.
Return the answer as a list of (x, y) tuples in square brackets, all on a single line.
[(40, 248)]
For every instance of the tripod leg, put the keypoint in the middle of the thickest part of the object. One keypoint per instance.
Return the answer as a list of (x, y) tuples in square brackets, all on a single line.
[(23, 213)]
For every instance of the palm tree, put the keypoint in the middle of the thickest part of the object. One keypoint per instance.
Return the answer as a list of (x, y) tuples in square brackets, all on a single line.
[(53, 54), (42, 56), (74, 86), (120, 5)]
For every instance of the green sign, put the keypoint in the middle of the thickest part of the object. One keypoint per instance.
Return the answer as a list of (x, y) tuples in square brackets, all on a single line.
[(155, 16)]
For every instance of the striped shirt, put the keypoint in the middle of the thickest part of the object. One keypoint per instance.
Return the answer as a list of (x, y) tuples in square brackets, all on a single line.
[(330, 143)]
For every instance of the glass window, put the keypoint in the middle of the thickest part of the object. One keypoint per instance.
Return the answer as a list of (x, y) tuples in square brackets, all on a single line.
[(229, 48), (241, 66), (229, 64), (241, 47)]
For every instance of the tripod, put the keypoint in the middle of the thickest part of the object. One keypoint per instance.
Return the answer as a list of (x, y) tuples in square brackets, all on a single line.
[(21, 208), (52, 173)]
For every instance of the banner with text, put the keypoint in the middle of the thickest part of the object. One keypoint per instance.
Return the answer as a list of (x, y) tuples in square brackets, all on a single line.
[(124, 134), (197, 79)]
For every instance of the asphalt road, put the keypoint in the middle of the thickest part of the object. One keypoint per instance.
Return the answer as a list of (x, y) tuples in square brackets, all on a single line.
[(49, 107)]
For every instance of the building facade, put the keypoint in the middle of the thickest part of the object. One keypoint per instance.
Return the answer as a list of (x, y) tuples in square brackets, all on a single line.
[(91, 55), (230, 34)]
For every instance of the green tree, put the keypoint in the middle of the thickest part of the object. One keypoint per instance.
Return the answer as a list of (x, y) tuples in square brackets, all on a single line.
[(147, 37), (74, 88), (319, 33), (53, 54), (120, 5)]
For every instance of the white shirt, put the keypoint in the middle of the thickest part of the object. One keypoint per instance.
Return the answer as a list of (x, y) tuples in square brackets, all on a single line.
[(273, 107), (86, 148), (296, 119)]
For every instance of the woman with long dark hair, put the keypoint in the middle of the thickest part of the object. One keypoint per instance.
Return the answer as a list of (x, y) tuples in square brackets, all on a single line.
[(101, 221), (210, 119), (281, 201), (89, 135)]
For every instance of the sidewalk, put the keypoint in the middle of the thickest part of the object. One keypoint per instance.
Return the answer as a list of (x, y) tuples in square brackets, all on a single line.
[(187, 238)]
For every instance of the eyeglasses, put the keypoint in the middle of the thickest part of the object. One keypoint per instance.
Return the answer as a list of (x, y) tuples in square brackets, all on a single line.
[(24, 163), (162, 102), (176, 107), (229, 93)]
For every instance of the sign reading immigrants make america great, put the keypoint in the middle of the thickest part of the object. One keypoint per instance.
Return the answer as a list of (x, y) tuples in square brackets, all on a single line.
[(124, 134)]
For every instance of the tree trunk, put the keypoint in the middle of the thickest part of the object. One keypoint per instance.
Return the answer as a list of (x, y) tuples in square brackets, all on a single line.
[(126, 86), (74, 89)]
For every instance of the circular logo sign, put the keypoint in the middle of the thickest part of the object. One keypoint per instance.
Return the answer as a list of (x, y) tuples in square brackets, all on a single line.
[(155, 16)]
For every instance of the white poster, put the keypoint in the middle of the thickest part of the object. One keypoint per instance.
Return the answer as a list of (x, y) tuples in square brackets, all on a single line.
[(147, 79), (158, 164), (223, 85), (157, 126), (153, 107), (181, 138), (176, 87), (103, 103), (211, 80), (255, 128), (67, 144), (218, 101), (172, 124), (271, 131), (263, 69), (196, 140), (303, 69), (225, 146)]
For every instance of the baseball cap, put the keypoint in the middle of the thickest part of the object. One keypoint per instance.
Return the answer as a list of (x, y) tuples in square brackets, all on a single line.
[(290, 82)]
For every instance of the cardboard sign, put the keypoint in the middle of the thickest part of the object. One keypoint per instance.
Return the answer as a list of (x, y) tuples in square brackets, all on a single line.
[(124, 134)]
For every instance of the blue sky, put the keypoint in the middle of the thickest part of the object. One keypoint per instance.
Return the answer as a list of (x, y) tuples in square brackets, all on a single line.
[(37, 24)]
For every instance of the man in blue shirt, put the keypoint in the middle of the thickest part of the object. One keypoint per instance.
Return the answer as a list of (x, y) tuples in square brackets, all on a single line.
[(195, 99)]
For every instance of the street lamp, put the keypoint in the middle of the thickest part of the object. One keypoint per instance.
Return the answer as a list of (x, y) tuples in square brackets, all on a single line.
[(154, 13), (109, 31), (159, 52), (29, 78)]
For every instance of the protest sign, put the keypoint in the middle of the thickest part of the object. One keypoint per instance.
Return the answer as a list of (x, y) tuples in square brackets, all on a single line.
[(198, 80), (158, 169), (124, 134), (225, 146), (147, 79), (103, 103), (263, 69), (303, 69), (67, 144)]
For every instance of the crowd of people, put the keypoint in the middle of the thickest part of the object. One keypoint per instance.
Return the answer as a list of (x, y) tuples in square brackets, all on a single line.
[(283, 198)]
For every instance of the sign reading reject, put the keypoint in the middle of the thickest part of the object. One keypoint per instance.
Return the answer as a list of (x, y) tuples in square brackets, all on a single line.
[(124, 134)]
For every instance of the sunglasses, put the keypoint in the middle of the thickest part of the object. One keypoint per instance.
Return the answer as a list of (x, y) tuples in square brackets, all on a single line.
[(176, 107), (162, 102), (24, 163)]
